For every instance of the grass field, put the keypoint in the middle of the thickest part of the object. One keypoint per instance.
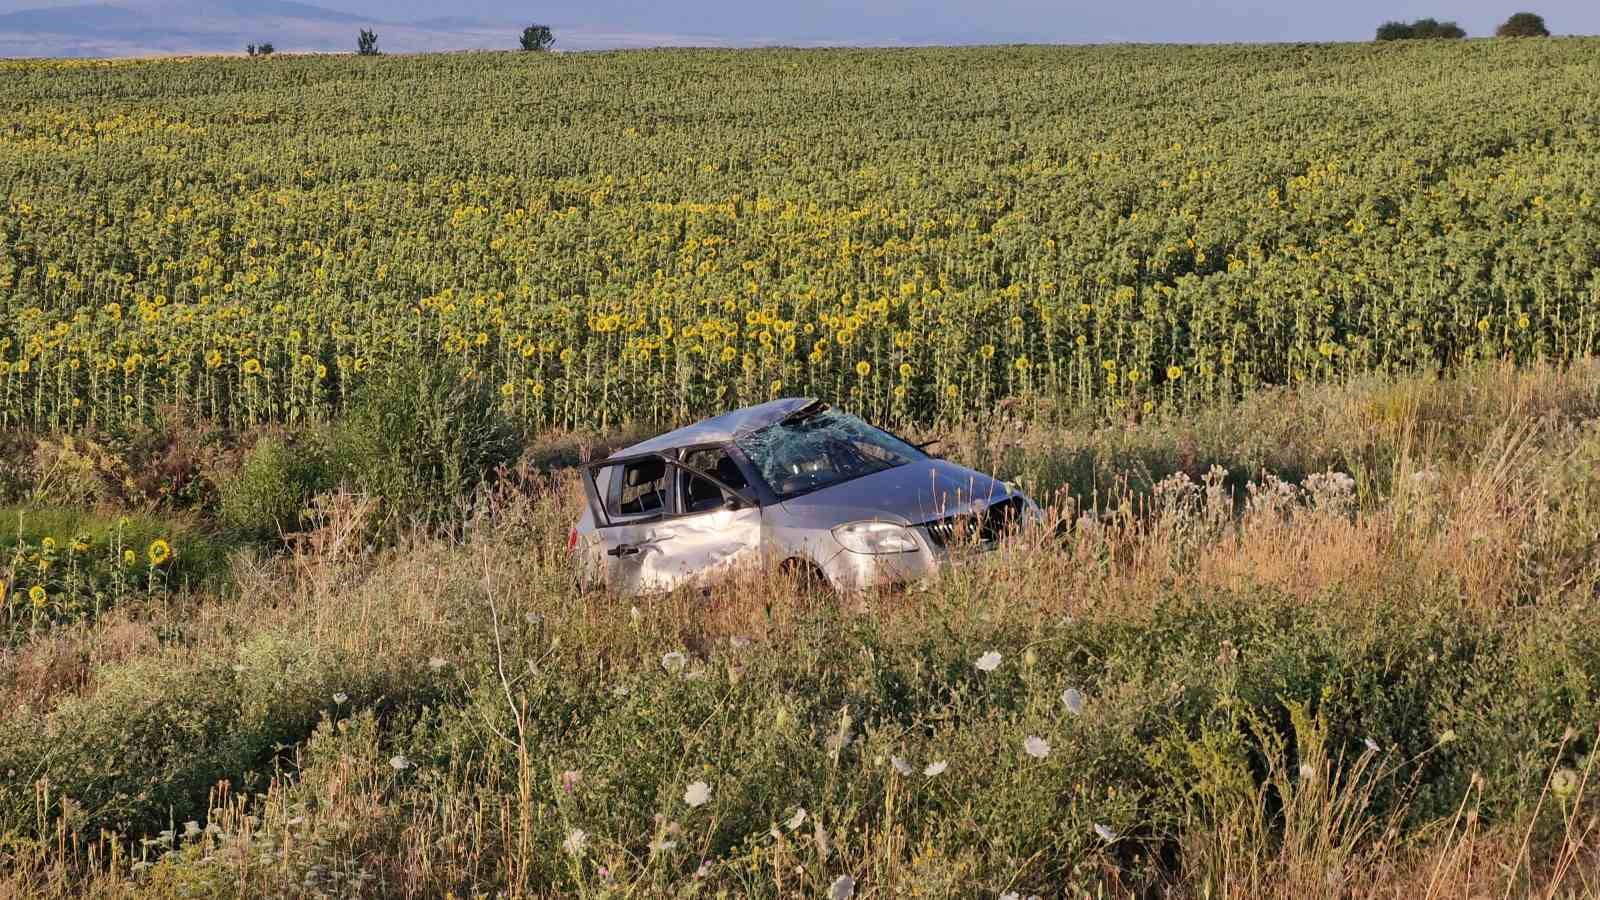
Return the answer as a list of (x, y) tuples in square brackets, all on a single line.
[(1296, 345)]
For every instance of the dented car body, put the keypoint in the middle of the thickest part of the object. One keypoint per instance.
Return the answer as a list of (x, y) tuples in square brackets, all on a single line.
[(793, 483)]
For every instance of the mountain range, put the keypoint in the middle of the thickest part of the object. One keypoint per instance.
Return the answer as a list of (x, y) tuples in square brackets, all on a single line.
[(183, 27)]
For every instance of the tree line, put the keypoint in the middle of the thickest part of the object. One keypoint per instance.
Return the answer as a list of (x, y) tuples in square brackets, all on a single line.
[(1523, 24), (534, 39), (540, 38)]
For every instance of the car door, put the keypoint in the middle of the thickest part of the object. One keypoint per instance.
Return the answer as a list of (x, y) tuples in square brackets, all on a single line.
[(664, 522)]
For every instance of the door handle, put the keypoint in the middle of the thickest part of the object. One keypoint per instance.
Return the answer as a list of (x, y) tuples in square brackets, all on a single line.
[(623, 550)]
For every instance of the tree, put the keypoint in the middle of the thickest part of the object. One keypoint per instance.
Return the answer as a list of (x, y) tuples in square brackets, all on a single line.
[(1433, 28), (266, 49), (537, 38), (1523, 24), (1395, 31), (367, 43), (250, 50), (1420, 29)]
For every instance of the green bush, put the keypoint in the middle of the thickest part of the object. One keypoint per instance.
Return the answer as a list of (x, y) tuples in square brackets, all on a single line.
[(267, 497), (420, 439)]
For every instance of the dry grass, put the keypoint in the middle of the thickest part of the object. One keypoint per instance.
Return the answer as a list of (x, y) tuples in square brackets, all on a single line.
[(1470, 501)]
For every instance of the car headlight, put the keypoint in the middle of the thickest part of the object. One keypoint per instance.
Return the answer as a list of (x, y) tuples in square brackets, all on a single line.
[(875, 538)]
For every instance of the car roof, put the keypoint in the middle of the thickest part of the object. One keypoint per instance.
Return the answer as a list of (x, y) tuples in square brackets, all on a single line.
[(721, 429)]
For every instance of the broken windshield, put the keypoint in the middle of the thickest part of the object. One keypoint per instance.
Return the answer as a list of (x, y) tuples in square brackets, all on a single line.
[(809, 452)]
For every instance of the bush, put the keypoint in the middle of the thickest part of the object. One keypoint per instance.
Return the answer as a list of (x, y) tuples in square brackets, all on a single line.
[(367, 43), (1523, 24), (269, 494), (421, 438)]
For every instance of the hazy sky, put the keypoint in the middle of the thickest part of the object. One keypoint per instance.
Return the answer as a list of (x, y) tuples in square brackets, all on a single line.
[(957, 21)]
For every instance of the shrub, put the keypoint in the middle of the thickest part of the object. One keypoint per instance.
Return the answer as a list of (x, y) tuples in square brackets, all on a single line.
[(367, 43), (266, 498), (421, 438)]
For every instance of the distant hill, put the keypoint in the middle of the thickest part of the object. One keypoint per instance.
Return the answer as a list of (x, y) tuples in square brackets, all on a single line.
[(176, 27)]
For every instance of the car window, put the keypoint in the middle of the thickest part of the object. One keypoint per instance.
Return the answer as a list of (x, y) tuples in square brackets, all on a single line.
[(638, 489), (701, 495), (805, 454)]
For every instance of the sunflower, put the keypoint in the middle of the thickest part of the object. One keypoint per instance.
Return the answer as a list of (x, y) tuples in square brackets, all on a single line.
[(863, 368), (38, 596), (1174, 373), (129, 558), (160, 551), (252, 367)]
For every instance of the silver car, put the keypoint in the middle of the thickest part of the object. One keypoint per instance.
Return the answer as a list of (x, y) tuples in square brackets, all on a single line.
[(793, 483)]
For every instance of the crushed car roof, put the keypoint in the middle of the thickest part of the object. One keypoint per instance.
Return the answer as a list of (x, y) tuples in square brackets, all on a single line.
[(721, 429)]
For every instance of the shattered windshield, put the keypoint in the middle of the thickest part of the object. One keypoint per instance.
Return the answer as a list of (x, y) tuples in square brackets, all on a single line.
[(810, 452)]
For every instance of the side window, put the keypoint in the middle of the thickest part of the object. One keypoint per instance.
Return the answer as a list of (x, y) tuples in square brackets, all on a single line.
[(699, 495), (638, 489)]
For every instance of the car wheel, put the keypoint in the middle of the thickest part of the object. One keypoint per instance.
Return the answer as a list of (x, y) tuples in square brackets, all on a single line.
[(808, 578)]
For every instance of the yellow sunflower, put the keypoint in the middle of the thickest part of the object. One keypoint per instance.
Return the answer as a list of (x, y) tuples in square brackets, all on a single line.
[(160, 551)]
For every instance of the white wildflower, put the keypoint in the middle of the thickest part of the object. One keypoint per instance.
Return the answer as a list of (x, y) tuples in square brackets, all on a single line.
[(697, 794), (900, 765), (340, 697), (399, 763), (674, 662), (577, 840), (1072, 699), (796, 820), (1105, 833), (1372, 745), (988, 662), (843, 888), (935, 769), (1036, 747), (663, 845)]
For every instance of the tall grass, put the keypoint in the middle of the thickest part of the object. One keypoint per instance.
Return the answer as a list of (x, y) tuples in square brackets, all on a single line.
[(1262, 681)]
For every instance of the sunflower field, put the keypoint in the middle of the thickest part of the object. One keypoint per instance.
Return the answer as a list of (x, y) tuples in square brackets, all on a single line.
[(923, 234)]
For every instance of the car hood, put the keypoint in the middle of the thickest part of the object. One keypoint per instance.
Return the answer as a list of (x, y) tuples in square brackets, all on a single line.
[(916, 492)]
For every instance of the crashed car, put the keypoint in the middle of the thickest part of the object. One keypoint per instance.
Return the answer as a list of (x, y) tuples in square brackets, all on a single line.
[(794, 483)]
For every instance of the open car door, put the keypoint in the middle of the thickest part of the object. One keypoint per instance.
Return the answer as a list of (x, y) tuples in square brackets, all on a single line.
[(664, 522)]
